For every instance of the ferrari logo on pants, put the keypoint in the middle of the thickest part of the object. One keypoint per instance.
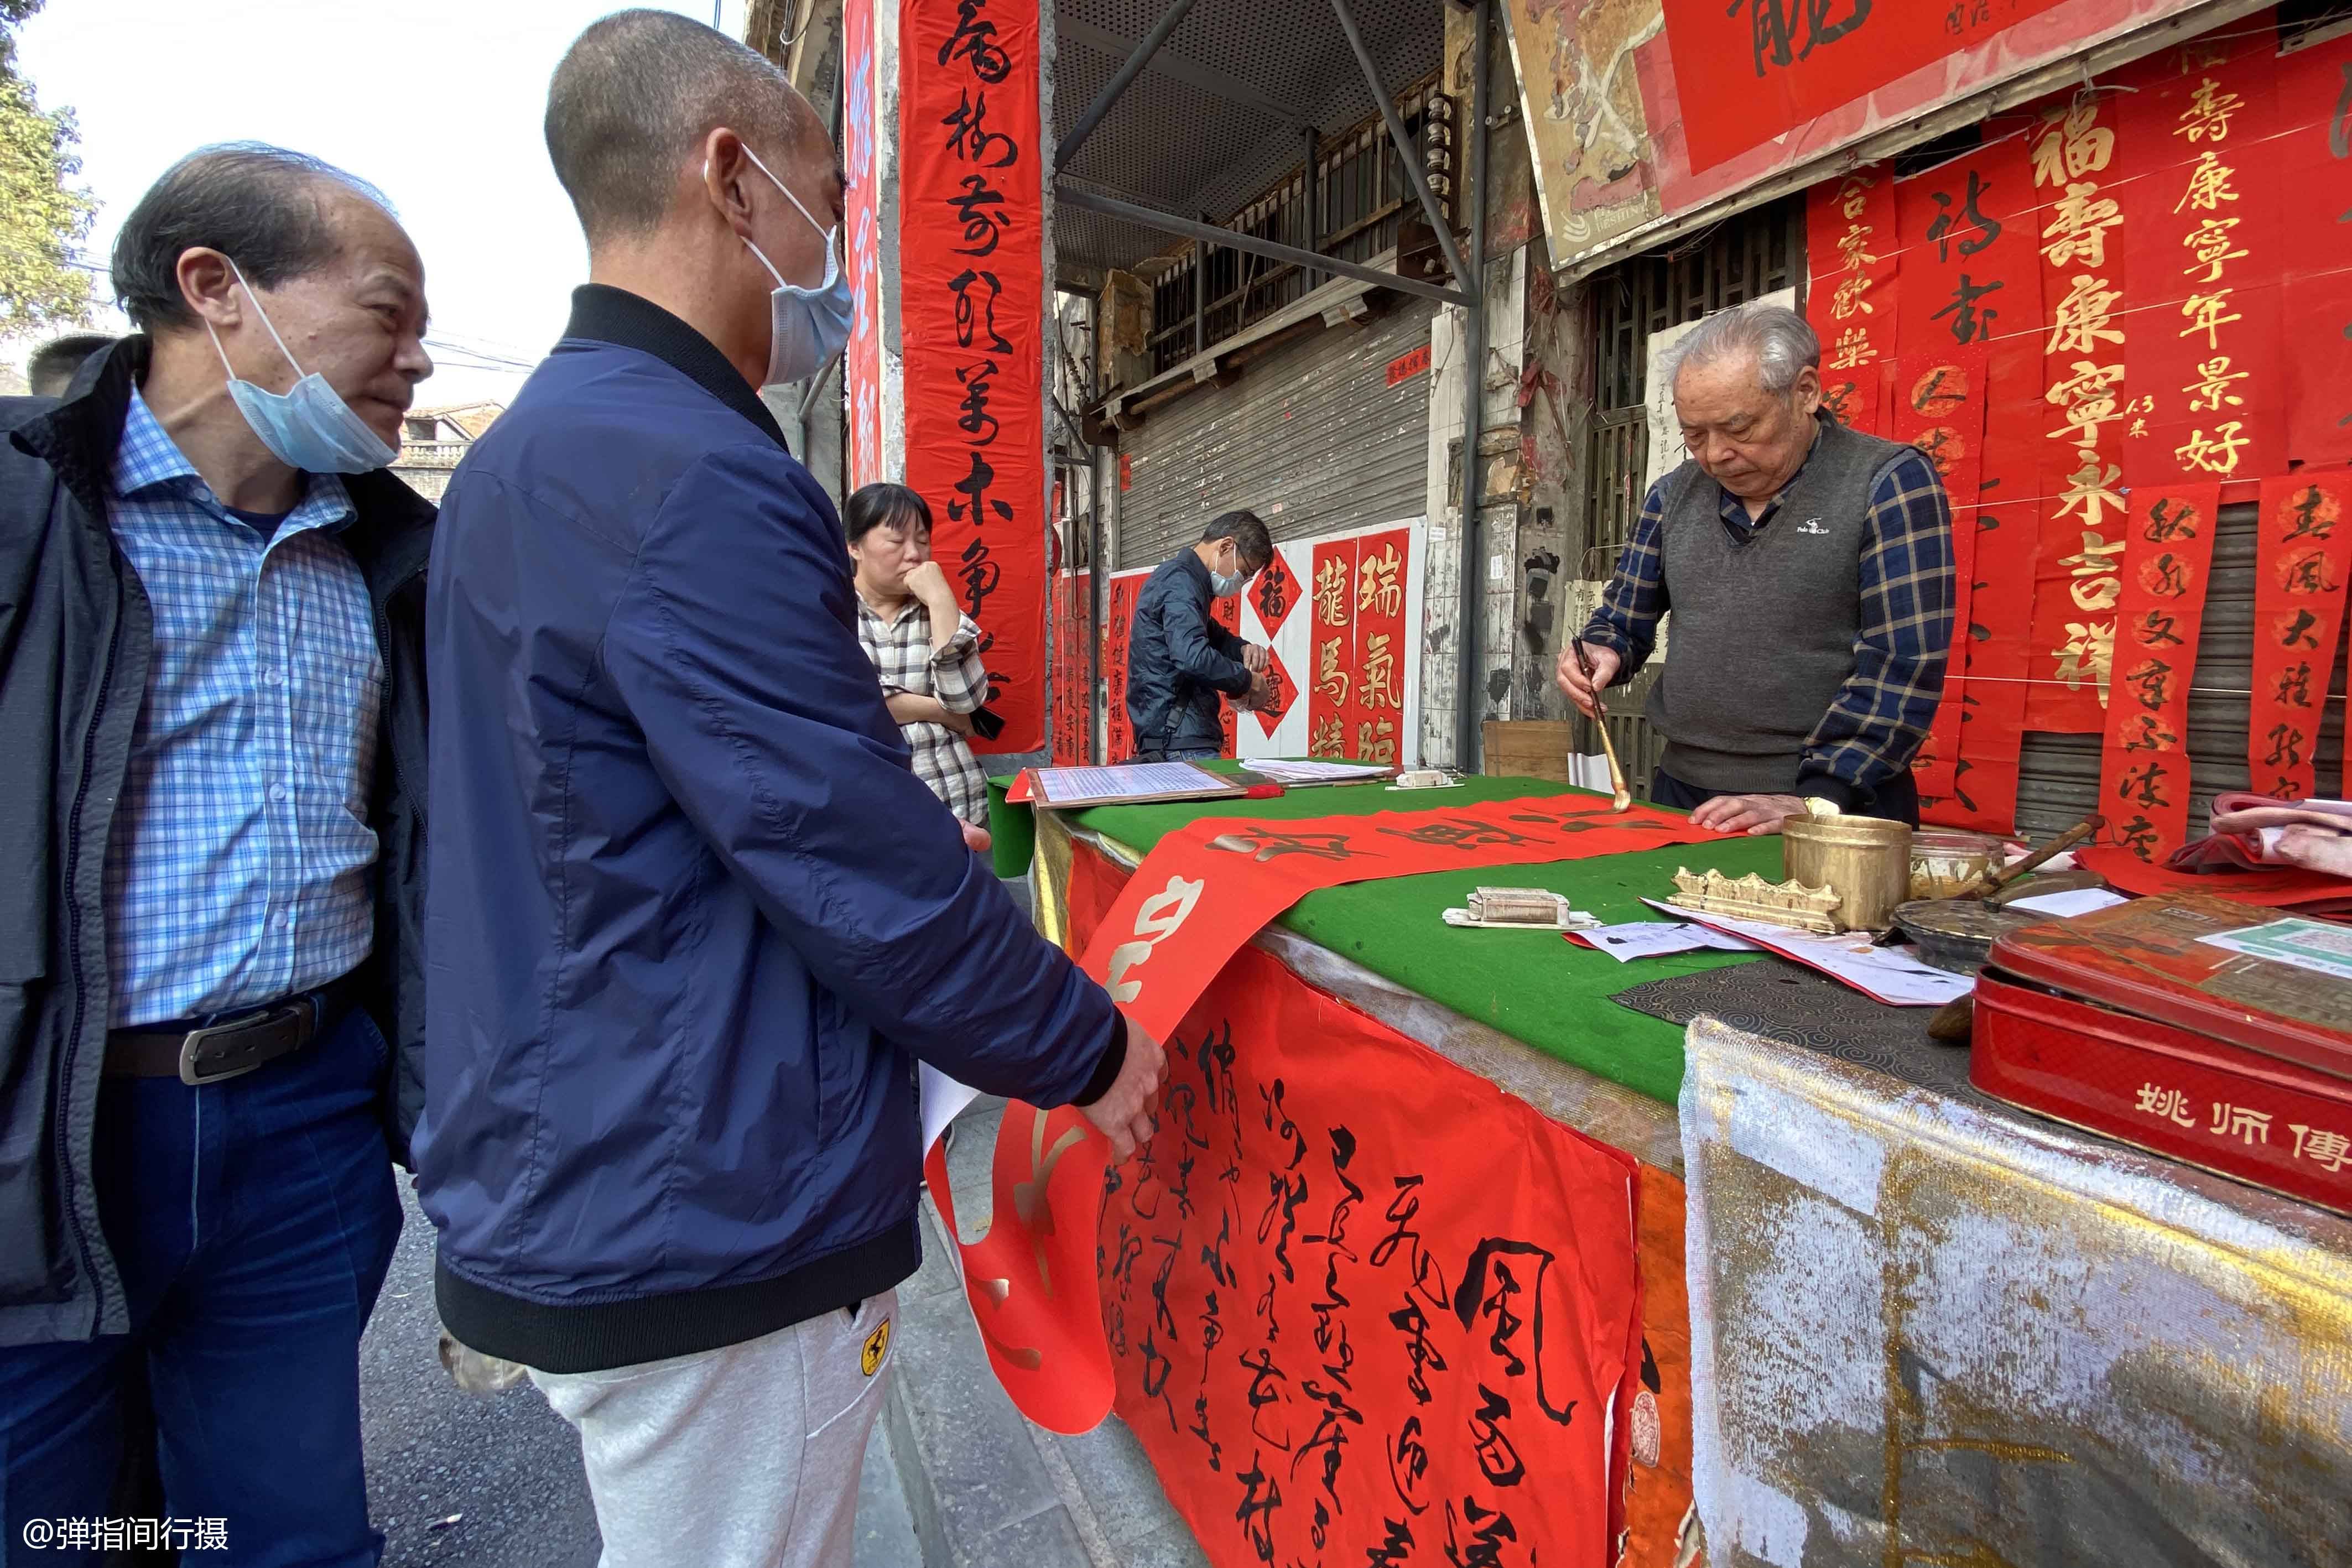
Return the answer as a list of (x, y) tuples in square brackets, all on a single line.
[(877, 1345)]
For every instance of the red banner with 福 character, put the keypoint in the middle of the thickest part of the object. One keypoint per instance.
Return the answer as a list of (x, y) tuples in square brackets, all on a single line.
[(973, 297), (2166, 563)]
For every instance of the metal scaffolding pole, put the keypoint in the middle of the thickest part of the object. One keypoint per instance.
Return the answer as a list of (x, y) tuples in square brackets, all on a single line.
[(1086, 201), (1469, 737), (1118, 84), (1407, 153)]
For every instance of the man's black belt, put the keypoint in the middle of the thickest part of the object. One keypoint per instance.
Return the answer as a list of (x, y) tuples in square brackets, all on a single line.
[(196, 1052)]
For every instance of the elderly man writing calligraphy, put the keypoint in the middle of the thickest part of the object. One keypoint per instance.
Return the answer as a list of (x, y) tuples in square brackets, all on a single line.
[(1810, 571)]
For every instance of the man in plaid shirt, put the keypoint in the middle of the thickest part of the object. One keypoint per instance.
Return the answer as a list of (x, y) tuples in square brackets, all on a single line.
[(923, 645), (1810, 571)]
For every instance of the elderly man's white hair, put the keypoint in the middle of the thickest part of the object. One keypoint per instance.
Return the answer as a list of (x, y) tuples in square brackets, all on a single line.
[(1783, 345)]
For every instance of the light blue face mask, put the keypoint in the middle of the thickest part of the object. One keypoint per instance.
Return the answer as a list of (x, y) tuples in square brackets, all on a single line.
[(806, 326), (311, 427)]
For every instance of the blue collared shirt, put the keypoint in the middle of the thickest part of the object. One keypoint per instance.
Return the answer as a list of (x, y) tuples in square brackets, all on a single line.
[(238, 871)]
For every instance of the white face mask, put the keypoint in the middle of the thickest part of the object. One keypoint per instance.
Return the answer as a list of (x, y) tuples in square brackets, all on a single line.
[(1225, 585), (311, 427), (806, 326)]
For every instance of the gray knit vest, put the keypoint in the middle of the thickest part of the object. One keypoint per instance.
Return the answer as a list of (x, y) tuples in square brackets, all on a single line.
[(1763, 633)]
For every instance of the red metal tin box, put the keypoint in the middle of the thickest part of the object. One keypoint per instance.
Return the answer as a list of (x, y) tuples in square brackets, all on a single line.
[(2127, 1024)]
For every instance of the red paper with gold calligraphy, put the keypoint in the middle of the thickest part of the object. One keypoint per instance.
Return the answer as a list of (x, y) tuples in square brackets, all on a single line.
[(2302, 556), (1939, 407), (2314, 157), (1119, 636), (2166, 565), (1340, 1338), (1330, 678), (1850, 239), (1375, 719), (2080, 162), (862, 359), (972, 293), (1855, 398), (2204, 386)]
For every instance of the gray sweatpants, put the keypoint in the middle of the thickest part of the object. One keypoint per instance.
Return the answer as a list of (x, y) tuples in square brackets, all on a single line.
[(741, 1458)]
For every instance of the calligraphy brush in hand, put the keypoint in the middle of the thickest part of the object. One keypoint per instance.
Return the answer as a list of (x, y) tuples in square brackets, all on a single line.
[(1623, 798)]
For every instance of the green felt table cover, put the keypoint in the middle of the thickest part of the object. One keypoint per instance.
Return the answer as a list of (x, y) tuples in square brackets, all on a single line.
[(1533, 986)]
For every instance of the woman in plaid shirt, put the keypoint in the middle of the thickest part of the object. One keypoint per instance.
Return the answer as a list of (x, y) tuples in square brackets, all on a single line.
[(926, 649)]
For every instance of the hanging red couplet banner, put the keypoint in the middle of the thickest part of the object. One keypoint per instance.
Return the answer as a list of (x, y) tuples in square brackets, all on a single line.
[(1342, 1339), (2303, 552), (1330, 647), (2314, 157), (1200, 895), (1850, 297), (862, 246), (1073, 677), (1227, 613), (2204, 389), (1939, 408), (2080, 163), (1274, 595), (1855, 398), (2144, 764), (1119, 638), (972, 274), (1376, 713)]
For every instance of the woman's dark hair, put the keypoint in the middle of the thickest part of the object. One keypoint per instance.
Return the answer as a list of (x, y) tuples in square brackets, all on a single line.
[(256, 204), (879, 506)]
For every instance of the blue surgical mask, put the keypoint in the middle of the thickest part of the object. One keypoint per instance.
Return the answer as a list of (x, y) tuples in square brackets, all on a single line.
[(806, 326), (1225, 585), (311, 427)]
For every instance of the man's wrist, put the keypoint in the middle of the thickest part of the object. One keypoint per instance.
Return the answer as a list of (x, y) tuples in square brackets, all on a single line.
[(1107, 1070)]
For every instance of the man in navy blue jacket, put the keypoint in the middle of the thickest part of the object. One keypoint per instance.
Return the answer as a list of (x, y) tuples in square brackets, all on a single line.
[(691, 917)]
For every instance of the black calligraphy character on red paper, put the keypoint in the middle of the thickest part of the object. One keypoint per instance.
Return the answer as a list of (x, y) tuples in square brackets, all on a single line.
[(975, 39), (1422, 1356), (981, 576), (1263, 1375), (1941, 229), (970, 140), (2145, 732), (1285, 1201), (1213, 1255), (2286, 746), (977, 502), (978, 210), (1966, 15), (2307, 573), (1409, 1465), (1427, 1276), (2168, 519), (2144, 786), (1267, 843), (1781, 35), (2157, 630), (1489, 1527), (1969, 323), (1275, 589), (976, 312), (2138, 835), (1496, 1456), (1472, 1301), (2308, 523), (2150, 680), (1335, 1230), (1201, 1425), (1276, 1118), (2170, 578), (2294, 687), (1254, 1514), (974, 420), (1394, 1550)]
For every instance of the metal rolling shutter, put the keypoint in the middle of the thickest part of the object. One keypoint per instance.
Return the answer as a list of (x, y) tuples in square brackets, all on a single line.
[(1312, 438), (2058, 775)]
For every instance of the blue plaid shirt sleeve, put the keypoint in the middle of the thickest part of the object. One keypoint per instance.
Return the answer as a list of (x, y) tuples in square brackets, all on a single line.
[(1882, 713), (1627, 618)]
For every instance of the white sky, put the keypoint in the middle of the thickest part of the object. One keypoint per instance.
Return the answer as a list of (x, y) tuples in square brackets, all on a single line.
[(436, 102)]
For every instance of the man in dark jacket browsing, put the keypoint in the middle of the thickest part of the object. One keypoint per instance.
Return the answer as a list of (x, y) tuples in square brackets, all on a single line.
[(692, 918), (1178, 659), (212, 727)]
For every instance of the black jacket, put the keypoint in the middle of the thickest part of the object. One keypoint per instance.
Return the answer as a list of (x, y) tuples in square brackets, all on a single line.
[(1177, 660), (76, 633)]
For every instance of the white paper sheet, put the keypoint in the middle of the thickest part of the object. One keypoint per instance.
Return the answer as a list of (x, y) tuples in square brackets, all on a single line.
[(942, 1100), (1657, 938), (2312, 945), (1882, 974), (1283, 770), (2080, 901), (1067, 786)]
